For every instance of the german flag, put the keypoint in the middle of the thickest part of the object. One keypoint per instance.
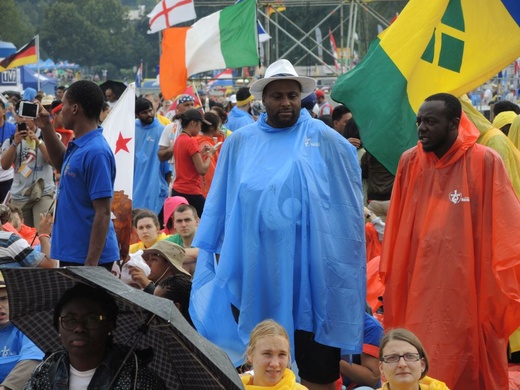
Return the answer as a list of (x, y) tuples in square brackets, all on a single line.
[(26, 55)]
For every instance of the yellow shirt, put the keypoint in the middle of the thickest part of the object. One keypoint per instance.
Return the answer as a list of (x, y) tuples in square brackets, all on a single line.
[(426, 383), (288, 382), (163, 120), (140, 245)]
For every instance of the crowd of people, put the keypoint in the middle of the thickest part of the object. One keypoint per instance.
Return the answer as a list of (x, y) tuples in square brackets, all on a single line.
[(275, 234)]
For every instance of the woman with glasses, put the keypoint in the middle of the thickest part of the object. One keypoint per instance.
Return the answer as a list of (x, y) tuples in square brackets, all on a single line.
[(404, 363), (85, 318)]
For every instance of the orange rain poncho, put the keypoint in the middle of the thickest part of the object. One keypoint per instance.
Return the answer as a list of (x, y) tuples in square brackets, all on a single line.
[(451, 260)]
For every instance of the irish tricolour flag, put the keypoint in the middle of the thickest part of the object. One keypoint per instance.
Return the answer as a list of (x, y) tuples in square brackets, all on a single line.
[(224, 39), (434, 46)]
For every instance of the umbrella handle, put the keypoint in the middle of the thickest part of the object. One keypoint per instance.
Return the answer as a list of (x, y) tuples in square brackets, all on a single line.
[(140, 332)]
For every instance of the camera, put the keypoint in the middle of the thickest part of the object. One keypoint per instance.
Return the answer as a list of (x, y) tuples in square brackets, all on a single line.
[(22, 126), (28, 110)]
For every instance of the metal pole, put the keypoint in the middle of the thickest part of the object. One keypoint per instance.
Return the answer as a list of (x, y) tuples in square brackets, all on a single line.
[(308, 34), (354, 23), (302, 45), (38, 59), (349, 31), (268, 29), (341, 42)]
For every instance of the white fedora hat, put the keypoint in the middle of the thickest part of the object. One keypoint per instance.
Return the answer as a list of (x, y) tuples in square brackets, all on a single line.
[(282, 70)]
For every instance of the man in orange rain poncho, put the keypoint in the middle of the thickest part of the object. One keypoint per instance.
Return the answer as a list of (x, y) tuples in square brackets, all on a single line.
[(451, 253)]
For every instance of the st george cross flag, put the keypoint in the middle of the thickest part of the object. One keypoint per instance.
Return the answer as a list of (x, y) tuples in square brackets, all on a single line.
[(168, 13), (433, 46)]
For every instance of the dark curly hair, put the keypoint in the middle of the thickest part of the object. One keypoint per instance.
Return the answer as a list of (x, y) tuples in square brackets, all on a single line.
[(88, 95), (177, 288)]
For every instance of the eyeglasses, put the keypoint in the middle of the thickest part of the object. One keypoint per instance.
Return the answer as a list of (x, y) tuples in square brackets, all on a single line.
[(408, 357), (90, 321)]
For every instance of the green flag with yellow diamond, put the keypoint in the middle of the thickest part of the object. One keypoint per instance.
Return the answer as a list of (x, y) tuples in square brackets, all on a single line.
[(434, 46)]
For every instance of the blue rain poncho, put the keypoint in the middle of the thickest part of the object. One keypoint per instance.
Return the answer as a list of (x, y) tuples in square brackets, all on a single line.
[(150, 188), (285, 213)]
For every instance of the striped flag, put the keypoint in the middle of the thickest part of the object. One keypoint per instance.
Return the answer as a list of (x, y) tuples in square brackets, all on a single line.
[(139, 76), (224, 39), (168, 13), (26, 55), (433, 46), (224, 78), (334, 49)]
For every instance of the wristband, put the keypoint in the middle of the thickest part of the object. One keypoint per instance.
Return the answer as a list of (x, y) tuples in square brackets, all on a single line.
[(368, 215), (44, 235), (15, 144)]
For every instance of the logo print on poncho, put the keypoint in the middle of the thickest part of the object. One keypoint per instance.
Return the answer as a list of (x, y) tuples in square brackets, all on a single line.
[(456, 197)]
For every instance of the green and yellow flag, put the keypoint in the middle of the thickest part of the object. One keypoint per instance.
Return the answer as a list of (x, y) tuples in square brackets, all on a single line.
[(433, 46)]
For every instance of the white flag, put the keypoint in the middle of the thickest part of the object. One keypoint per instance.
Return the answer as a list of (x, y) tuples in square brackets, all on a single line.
[(119, 131), (168, 13)]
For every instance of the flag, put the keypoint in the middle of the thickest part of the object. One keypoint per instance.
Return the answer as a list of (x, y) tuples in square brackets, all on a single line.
[(271, 10), (139, 76), (168, 13), (334, 50), (222, 79), (119, 131), (433, 46), (26, 55), (262, 35), (224, 39)]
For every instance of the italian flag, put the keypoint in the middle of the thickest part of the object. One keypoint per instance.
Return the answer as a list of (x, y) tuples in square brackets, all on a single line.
[(224, 39), (437, 46)]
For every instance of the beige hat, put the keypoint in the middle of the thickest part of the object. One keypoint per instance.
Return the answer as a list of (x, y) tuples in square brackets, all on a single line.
[(282, 70), (170, 251), (47, 100)]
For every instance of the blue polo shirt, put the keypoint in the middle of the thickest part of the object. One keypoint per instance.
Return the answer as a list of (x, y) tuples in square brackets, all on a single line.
[(88, 173)]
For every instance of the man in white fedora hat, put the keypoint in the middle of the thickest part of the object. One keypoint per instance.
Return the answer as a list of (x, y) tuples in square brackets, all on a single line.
[(282, 234)]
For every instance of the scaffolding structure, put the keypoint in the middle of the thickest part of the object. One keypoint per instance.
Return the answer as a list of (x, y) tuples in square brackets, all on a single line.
[(271, 18)]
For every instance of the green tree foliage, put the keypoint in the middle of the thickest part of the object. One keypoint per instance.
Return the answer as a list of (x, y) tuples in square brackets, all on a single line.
[(14, 27), (88, 32)]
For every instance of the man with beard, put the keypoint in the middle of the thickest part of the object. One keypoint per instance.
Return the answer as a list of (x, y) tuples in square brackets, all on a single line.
[(150, 175), (450, 267), (284, 222)]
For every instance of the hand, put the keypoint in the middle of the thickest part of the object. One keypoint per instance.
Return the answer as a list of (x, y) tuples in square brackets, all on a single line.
[(139, 276), (44, 118), (20, 134), (32, 135), (45, 224), (208, 150), (355, 141)]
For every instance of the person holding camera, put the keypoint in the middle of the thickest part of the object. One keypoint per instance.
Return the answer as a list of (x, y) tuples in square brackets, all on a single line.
[(33, 187), (7, 129)]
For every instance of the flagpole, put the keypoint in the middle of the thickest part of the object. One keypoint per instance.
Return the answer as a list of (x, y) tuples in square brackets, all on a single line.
[(38, 58)]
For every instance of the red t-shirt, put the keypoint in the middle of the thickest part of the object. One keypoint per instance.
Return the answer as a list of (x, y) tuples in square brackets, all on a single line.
[(187, 178)]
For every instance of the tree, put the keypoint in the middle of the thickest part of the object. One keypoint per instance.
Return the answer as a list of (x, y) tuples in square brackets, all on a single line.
[(88, 32), (14, 29)]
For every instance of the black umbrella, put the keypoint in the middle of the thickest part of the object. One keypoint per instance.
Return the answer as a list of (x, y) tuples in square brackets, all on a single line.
[(117, 87), (183, 358)]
